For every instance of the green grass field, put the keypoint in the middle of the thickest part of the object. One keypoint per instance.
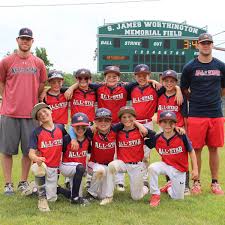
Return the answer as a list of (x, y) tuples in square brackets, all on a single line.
[(205, 209)]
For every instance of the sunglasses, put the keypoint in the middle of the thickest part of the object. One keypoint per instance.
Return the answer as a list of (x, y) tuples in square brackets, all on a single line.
[(170, 122), (206, 43), (83, 78)]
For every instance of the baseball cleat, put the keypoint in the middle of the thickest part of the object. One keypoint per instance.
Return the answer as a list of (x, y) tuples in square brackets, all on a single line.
[(154, 201), (216, 189), (164, 189), (31, 189), (80, 201), (120, 187), (8, 189), (187, 191), (43, 205), (106, 201), (23, 185), (196, 188)]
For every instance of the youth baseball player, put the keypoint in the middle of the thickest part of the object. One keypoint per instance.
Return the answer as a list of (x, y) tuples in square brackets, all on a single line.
[(130, 153), (73, 163), (174, 150), (45, 150)]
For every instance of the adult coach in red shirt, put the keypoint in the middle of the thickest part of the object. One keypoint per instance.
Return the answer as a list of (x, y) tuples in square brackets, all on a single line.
[(202, 81), (22, 78)]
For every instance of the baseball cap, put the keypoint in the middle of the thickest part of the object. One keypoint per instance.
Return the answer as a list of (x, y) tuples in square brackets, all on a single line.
[(55, 74), (205, 37), (127, 109), (79, 119), (112, 69), (141, 68), (103, 113), (38, 107), (167, 115), (82, 72), (25, 32), (169, 73)]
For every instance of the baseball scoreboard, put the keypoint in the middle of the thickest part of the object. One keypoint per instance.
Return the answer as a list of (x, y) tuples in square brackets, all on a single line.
[(159, 44)]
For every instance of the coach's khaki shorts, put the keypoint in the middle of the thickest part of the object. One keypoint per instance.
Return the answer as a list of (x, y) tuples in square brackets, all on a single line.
[(15, 131)]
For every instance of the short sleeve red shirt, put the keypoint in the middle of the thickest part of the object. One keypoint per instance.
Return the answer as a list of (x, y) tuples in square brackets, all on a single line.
[(22, 77)]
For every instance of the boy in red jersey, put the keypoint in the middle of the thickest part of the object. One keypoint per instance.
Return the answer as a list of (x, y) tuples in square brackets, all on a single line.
[(56, 100), (130, 153), (83, 98), (144, 98), (74, 161), (174, 150), (45, 150), (167, 102)]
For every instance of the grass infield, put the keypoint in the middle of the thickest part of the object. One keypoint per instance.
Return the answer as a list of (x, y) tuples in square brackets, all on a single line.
[(205, 209)]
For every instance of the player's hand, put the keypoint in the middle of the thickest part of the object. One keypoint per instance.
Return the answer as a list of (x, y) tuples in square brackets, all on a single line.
[(74, 145), (68, 94), (179, 97), (156, 85), (43, 95), (40, 160), (194, 174), (180, 130)]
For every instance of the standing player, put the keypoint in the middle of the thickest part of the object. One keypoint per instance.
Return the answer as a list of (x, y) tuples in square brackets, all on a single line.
[(56, 100), (130, 153), (201, 82), (144, 98), (45, 146), (174, 149), (83, 98), (74, 161), (22, 79)]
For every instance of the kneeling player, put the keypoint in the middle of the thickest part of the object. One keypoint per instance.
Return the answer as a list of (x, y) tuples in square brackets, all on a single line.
[(174, 149), (45, 149), (74, 161), (130, 153)]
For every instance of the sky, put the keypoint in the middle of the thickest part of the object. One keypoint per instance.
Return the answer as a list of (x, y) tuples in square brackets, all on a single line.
[(69, 33)]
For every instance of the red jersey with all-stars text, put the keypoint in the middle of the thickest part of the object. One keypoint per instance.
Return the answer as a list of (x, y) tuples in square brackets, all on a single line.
[(48, 143)]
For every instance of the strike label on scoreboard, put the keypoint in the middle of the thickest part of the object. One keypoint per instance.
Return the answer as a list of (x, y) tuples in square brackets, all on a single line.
[(159, 44)]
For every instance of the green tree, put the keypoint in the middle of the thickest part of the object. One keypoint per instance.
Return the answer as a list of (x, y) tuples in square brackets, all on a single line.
[(42, 54), (68, 79)]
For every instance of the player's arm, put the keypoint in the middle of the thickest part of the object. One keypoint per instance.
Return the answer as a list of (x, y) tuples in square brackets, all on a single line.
[(33, 156), (180, 130), (142, 129), (2, 88), (194, 173), (185, 81), (155, 84), (69, 92), (178, 97), (74, 142)]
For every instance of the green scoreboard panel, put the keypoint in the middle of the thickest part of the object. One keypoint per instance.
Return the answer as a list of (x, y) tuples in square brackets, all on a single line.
[(159, 44)]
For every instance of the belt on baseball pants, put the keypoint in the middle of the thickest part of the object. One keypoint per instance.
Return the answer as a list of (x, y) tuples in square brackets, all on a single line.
[(144, 121)]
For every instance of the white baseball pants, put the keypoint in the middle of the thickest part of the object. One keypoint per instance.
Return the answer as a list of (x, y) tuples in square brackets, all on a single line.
[(176, 191)]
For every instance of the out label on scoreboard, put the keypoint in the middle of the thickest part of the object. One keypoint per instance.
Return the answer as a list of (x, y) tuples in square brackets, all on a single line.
[(161, 45)]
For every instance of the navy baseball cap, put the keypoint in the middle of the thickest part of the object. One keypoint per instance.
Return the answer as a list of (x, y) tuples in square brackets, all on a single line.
[(82, 73), (79, 119), (167, 115), (38, 107), (55, 74), (141, 68), (169, 73), (205, 37), (112, 69), (103, 113), (25, 32), (127, 109)]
